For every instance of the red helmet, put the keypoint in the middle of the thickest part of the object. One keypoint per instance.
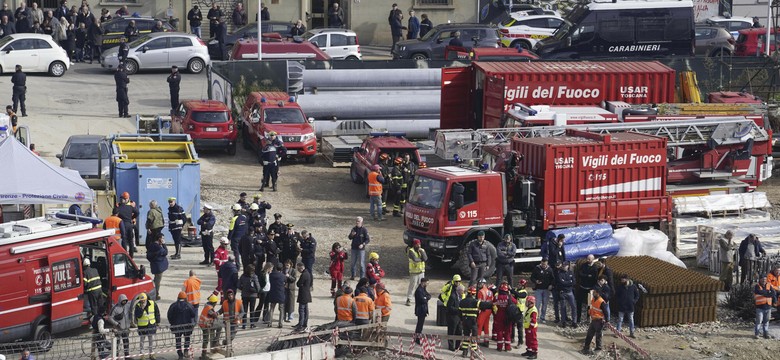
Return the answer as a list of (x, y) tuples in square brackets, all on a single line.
[(384, 156), (530, 299), (399, 161), (472, 290), (503, 287), (522, 282)]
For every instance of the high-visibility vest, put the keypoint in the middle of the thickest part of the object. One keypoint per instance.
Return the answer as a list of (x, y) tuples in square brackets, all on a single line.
[(147, 318), (192, 289), (527, 318), (416, 267), (383, 303), (113, 222), (344, 307), (236, 311), (595, 309), (374, 186), (521, 301), (91, 280), (205, 321), (773, 280), (233, 222), (365, 306), (761, 299)]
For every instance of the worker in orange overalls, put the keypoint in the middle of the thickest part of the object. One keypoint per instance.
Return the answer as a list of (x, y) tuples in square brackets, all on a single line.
[(345, 306), (192, 289), (383, 301), (113, 222), (483, 320)]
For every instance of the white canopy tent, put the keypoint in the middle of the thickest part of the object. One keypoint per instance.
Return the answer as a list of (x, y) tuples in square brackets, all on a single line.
[(28, 179)]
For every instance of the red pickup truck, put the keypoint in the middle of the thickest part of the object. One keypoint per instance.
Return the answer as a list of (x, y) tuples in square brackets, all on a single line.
[(367, 154), (264, 112)]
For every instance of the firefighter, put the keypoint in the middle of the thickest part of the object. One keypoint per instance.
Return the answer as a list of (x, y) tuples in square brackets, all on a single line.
[(206, 222), (273, 150), (398, 187), (483, 320), (529, 325), (220, 257), (210, 327), (409, 170), (176, 219), (238, 227), (501, 321), (92, 286), (386, 169), (520, 294), (374, 272), (469, 309)]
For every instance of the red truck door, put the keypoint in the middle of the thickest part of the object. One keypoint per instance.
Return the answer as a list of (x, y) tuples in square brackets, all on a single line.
[(469, 214), (125, 277), (67, 304), (456, 98), (493, 103)]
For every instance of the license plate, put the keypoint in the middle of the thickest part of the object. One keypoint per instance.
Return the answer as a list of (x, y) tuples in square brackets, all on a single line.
[(292, 152), (212, 129)]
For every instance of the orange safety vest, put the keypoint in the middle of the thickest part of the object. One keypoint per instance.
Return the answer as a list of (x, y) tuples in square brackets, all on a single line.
[(192, 289), (205, 321), (763, 300), (773, 280), (365, 307), (383, 303), (374, 186), (344, 307), (595, 309), (113, 222), (226, 311)]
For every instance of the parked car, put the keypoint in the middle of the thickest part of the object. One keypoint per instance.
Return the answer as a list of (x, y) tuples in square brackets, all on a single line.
[(277, 48), (115, 28), (264, 112), (88, 154), (431, 46), (35, 52), (489, 54), (340, 44), (367, 154), (713, 41), (752, 42), (525, 31), (733, 24), (161, 51), (209, 124), (248, 31)]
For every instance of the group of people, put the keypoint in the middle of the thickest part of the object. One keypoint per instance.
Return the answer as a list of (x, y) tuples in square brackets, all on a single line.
[(414, 29), (391, 177)]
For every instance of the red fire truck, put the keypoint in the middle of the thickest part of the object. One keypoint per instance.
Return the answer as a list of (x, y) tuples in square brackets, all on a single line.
[(41, 263)]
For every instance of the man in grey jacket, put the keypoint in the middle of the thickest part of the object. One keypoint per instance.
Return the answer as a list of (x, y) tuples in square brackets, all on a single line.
[(120, 319), (478, 258), (726, 257), (505, 259)]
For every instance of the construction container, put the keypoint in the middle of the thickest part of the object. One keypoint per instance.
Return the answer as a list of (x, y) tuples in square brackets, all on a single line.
[(674, 295), (157, 170), (585, 178)]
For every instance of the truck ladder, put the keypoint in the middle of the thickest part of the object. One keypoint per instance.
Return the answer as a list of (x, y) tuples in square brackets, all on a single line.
[(727, 130), (38, 228)]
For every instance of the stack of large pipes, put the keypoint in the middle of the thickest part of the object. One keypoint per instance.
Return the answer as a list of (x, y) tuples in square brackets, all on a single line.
[(403, 100)]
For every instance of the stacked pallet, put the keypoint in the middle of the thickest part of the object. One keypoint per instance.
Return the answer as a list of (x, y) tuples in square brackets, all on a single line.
[(674, 295)]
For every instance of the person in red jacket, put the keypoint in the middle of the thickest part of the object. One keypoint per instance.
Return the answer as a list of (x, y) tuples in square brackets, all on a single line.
[(337, 258), (503, 325), (221, 257), (374, 272)]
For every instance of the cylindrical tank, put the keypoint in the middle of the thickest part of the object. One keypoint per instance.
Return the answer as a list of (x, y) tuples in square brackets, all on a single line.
[(370, 105), (371, 78)]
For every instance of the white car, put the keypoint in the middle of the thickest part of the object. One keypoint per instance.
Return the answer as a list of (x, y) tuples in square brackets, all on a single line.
[(733, 24), (526, 30), (161, 51), (340, 44), (35, 52)]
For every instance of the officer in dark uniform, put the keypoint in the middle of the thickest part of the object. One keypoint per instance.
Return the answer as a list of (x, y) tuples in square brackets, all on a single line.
[(220, 33), (277, 225), (469, 309), (131, 31), (398, 187), (386, 171), (122, 99), (176, 219), (272, 151), (19, 79), (123, 50), (174, 80), (206, 222)]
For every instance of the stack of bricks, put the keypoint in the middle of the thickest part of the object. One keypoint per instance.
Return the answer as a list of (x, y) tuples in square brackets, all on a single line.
[(674, 295)]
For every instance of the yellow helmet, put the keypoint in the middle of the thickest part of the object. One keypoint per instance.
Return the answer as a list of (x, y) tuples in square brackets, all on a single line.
[(456, 277), (213, 298), (142, 296), (373, 256)]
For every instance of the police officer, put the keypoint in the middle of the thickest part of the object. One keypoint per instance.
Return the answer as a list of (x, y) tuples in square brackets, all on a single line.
[(272, 150), (308, 251), (121, 81), (386, 171), (398, 187), (238, 227), (123, 50), (176, 219), (206, 222), (19, 79), (174, 80)]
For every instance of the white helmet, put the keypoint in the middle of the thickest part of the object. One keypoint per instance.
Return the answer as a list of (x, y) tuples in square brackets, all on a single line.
[(87, 262), (236, 207), (254, 207), (224, 240)]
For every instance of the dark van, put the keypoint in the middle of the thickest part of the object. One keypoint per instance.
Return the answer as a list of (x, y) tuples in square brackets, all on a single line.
[(623, 29)]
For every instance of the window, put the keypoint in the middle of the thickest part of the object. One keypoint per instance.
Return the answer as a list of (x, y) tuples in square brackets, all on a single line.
[(145, 25), (338, 40), (41, 44), (116, 26), (614, 30), (66, 275), (123, 267), (157, 44), (23, 44), (435, 2), (210, 117), (705, 33), (86, 151), (738, 25), (648, 28), (469, 192), (278, 28), (537, 23), (319, 40), (553, 23), (284, 116), (180, 42)]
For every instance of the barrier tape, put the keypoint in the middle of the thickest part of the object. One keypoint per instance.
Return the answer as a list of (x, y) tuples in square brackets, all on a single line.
[(627, 340)]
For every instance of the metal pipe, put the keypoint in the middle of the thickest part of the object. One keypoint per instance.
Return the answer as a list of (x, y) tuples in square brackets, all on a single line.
[(414, 128), (343, 106), (371, 78)]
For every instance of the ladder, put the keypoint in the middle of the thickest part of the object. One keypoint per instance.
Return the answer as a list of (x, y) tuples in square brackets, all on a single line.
[(727, 130), (38, 228)]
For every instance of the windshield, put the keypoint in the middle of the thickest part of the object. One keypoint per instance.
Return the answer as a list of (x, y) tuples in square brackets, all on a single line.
[(5, 40), (572, 20), (283, 116), (210, 117), (427, 192), (139, 41), (85, 151), (429, 35)]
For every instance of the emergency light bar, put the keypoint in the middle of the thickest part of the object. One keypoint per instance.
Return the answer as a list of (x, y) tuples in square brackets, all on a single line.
[(59, 242)]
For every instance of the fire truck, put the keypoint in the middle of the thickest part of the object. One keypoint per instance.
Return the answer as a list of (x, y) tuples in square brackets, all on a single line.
[(524, 181), (41, 262)]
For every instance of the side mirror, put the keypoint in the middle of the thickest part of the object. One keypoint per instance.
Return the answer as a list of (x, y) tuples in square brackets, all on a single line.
[(59, 156), (254, 118), (8, 49), (439, 40), (142, 272), (315, 44), (143, 49), (568, 41), (310, 120)]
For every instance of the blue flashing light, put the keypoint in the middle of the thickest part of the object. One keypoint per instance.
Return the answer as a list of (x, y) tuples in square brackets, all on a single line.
[(262, 100), (457, 159), (484, 167), (292, 99)]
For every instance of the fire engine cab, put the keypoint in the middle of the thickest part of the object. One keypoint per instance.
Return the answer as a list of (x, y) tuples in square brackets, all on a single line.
[(43, 278)]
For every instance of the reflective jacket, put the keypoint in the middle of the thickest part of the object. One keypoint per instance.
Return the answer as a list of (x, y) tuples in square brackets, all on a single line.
[(148, 315), (383, 303), (763, 296), (416, 260), (469, 307), (91, 279), (238, 307), (375, 181), (596, 312), (529, 320), (176, 217), (207, 316), (345, 308), (364, 307), (192, 288), (113, 222)]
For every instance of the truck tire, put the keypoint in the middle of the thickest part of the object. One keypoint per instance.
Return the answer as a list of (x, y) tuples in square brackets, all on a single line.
[(462, 264), (42, 337), (354, 175)]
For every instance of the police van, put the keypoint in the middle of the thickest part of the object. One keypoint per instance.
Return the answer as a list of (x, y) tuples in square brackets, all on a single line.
[(619, 29)]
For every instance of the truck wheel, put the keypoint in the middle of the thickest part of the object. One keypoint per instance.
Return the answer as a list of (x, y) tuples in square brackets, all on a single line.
[(354, 175), (231, 150), (42, 337)]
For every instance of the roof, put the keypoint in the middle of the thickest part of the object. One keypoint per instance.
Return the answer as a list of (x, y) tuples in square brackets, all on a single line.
[(30, 36), (629, 67), (330, 30), (640, 4), (142, 18), (85, 138), (455, 171), (213, 105), (517, 16), (391, 142), (168, 33), (462, 25), (733, 18), (621, 137)]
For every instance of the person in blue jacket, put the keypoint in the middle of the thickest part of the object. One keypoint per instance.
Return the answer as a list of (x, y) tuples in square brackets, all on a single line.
[(157, 255), (413, 27)]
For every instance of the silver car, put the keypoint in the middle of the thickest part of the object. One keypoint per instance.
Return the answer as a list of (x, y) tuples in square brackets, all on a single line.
[(81, 153), (160, 51)]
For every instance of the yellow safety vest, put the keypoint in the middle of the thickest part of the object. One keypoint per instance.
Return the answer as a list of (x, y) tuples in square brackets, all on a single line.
[(521, 301), (416, 267), (233, 222), (527, 318), (146, 318)]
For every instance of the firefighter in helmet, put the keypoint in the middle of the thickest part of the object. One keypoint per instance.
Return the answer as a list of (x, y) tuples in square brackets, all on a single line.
[(398, 187), (385, 170)]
